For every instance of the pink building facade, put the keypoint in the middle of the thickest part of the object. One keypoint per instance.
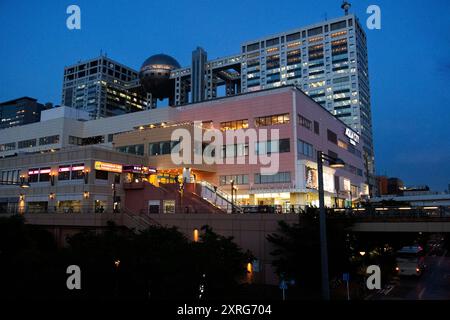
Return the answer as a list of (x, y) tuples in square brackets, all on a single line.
[(303, 127)]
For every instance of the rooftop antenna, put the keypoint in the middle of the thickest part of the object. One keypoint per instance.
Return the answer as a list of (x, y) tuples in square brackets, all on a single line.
[(325, 15), (345, 6)]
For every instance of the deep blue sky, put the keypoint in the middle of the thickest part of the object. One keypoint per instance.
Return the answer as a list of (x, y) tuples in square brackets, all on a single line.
[(409, 58)]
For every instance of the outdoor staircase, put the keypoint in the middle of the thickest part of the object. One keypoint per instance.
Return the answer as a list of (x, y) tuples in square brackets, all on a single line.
[(192, 200), (218, 197), (137, 221)]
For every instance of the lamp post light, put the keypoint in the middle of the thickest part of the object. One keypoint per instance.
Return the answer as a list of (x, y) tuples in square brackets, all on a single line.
[(116, 266), (232, 199), (52, 178), (181, 185), (113, 186), (351, 198), (24, 184), (236, 197), (334, 163), (86, 176)]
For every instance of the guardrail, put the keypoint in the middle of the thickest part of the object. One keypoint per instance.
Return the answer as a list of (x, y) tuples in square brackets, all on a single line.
[(67, 209), (370, 213), (219, 198)]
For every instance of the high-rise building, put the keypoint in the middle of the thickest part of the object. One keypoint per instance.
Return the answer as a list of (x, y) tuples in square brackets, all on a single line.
[(327, 60), (100, 87), (20, 111)]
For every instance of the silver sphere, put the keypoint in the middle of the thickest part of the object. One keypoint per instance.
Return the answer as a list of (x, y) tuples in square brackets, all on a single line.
[(154, 75)]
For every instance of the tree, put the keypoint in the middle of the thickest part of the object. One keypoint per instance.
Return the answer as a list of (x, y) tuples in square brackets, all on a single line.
[(158, 263), (28, 258), (222, 262), (163, 264), (297, 250)]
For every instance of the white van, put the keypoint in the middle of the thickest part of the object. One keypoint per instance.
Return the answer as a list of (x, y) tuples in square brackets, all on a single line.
[(410, 261)]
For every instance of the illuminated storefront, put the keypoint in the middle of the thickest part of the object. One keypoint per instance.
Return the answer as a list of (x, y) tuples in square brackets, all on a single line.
[(70, 182), (106, 166)]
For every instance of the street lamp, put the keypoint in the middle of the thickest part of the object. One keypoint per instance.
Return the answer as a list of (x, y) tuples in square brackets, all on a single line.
[(181, 185), (24, 184), (86, 176), (351, 197), (232, 200), (117, 265), (113, 186), (334, 163), (52, 178)]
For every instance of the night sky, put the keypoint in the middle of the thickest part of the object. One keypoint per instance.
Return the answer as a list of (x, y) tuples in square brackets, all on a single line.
[(409, 58)]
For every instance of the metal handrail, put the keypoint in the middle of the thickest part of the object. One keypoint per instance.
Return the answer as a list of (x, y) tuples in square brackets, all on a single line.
[(223, 195)]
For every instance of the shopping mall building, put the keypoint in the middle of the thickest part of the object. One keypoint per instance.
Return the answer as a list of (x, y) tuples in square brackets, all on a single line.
[(299, 127)]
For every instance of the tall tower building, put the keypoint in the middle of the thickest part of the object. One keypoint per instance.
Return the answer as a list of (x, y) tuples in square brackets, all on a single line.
[(199, 58), (100, 86)]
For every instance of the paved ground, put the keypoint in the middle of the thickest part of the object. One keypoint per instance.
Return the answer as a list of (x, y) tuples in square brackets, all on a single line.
[(434, 284)]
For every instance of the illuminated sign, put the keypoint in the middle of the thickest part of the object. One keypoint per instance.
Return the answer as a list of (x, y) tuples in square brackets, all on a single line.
[(138, 169), (106, 166), (37, 171), (354, 137), (311, 178), (328, 182), (311, 181), (77, 167), (346, 184)]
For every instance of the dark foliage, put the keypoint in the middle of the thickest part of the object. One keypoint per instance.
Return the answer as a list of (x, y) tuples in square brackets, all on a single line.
[(157, 263), (297, 251)]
